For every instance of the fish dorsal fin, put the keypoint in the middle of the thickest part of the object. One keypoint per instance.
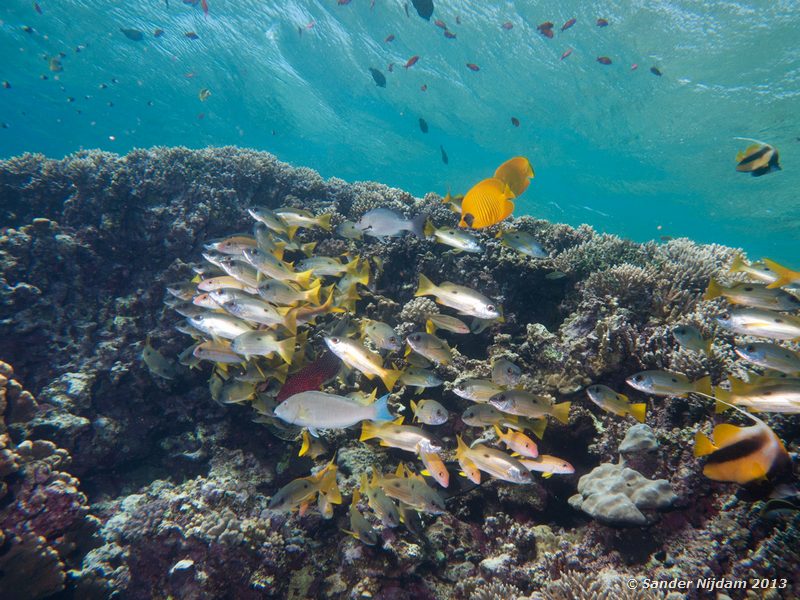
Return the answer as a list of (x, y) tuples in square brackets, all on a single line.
[(726, 434), (399, 420)]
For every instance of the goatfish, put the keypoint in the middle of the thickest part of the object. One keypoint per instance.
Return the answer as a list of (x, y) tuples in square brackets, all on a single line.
[(758, 159), (522, 242), (753, 294), (548, 465), (384, 222), (785, 275), (517, 172), (272, 267), (518, 442), (327, 266), (434, 467), (666, 383), (380, 334), (477, 390), (463, 299), (419, 378), (431, 347), (403, 437), (742, 455), (771, 356), (360, 528), (438, 321), (219, 325), (495, 463), (286, 294), (761, 323), (429, 412), (263, 343), (312, 447), (460, 241), (296, 217), (525, 404), (487, 203), (157, 363), (413, 491), (618, 404), (356, 356), (217, 351), (505, 373), (320, 410), (383, 506), (762, 394), (690, 338)]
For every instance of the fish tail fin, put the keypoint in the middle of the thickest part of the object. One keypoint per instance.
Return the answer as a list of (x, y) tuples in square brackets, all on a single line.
[(430, 327), (703, 386), (714, 290), (308, 249), (425, 287), (561, 412), (368, 431), (414, 408), (285, 348), (537, 427), (785, 276), (418, 225), (290, 231), (462, 447), (390, 377), (703, 446), (280, 373), (737, 266), (278, 251), (382, 409), (638, 411), (304, 279), (290, 320), (429, 229), (306, 444), (498, 431), (351, 268), (312, 294), (324, 221)]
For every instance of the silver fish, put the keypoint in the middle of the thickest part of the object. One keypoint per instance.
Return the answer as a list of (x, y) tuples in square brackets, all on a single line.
[(761, 323), (505, 373), (770, 356), (318, 410), (384, 222)]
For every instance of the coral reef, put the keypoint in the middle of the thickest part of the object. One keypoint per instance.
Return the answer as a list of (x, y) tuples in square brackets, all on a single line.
[(181, 484)]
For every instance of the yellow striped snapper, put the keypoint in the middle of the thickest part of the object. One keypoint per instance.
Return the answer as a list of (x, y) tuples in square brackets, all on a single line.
[(360, 528), (297, 217), (240, 270), (419, 378), (752, 294), (272, 267), (223, 295), (413, 491), (666, 383), (263, 343), (225, 282), (491, 461), (762, 394), (299, 493), (505, 373), (258, 311), (458, 239), (519, 443), (187, 357), (189, 309), (272, 220), (232, 245), (283, 293), (308, 313), (157, 363), (761, 323), (403, 437), (760, 271), (205, 301), (463, 299), (218, 351), (486, 415), (477, 390), (349, 281), (522, 242), (431, 347), (548, 465), (319, 410), (327, 266), (383, 507), (690, 338), (618, 404), (446, 322), (380, 334), (267, 241), (771, 356), (429, 412), (187, 328), (786, 276), (220, 325), (525, 404), (356, 356)]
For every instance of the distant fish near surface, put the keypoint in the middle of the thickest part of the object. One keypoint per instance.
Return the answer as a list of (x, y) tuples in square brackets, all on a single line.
[(459, 240), (463, 299), (132, 34), (473, 67), (389, 38), (618, 404), (666, 383), (505, 373), (569, 24), (753, 294), (761, 323), (517, 172), (508, 26), (423, 125), (204, 94), (655, 71), (523, 242), (411, 61), (758, 159), (487, 203), (690, 338), (424, 8), (440, 24), (546, 29), (378, 77), (445, 159), (771, 356), (515, 121), (566, 53), (742, 455), (604, 60), (192, 35), (449, 34), (602, 23), (384, 222), (319, 410)]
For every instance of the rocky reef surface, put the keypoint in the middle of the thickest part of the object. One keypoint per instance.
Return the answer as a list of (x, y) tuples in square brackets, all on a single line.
[(116, 484)]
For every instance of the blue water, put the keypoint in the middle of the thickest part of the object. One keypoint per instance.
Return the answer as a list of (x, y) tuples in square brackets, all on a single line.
[(623, 150)]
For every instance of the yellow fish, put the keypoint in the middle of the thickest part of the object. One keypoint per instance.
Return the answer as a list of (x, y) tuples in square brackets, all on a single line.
[(487, 203), (785, 275), (758, 159), (517, 173)]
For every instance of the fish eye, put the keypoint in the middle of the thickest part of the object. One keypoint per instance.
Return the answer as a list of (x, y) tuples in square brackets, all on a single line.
[(501, 397), (680, 330), (779, 320), (639, 378), (510, 371), (415, 337), (335, 340), (748, 289), (393, 339), (725, 316), (490, 307), (750, 348)]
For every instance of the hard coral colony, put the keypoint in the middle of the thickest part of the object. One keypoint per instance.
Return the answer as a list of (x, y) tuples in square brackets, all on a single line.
[(450, 393)]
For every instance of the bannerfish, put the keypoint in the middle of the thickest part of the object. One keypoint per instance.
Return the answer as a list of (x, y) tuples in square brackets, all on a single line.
[(505, 373), (757, 295), (463, 299), (758, 159), (742, 455), (132, 34), (495, 463), (523, 242), (460, 241), (487, 203), (690, 338), (618, 404), (445, 159), (384, 222), (423, 125), (424, 8), (665, 383), (378, 77), (311, 377), (429, 412), (771, 356), (319, 410), (525, 404), (761, 323), (518, 442), (548, 465)]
